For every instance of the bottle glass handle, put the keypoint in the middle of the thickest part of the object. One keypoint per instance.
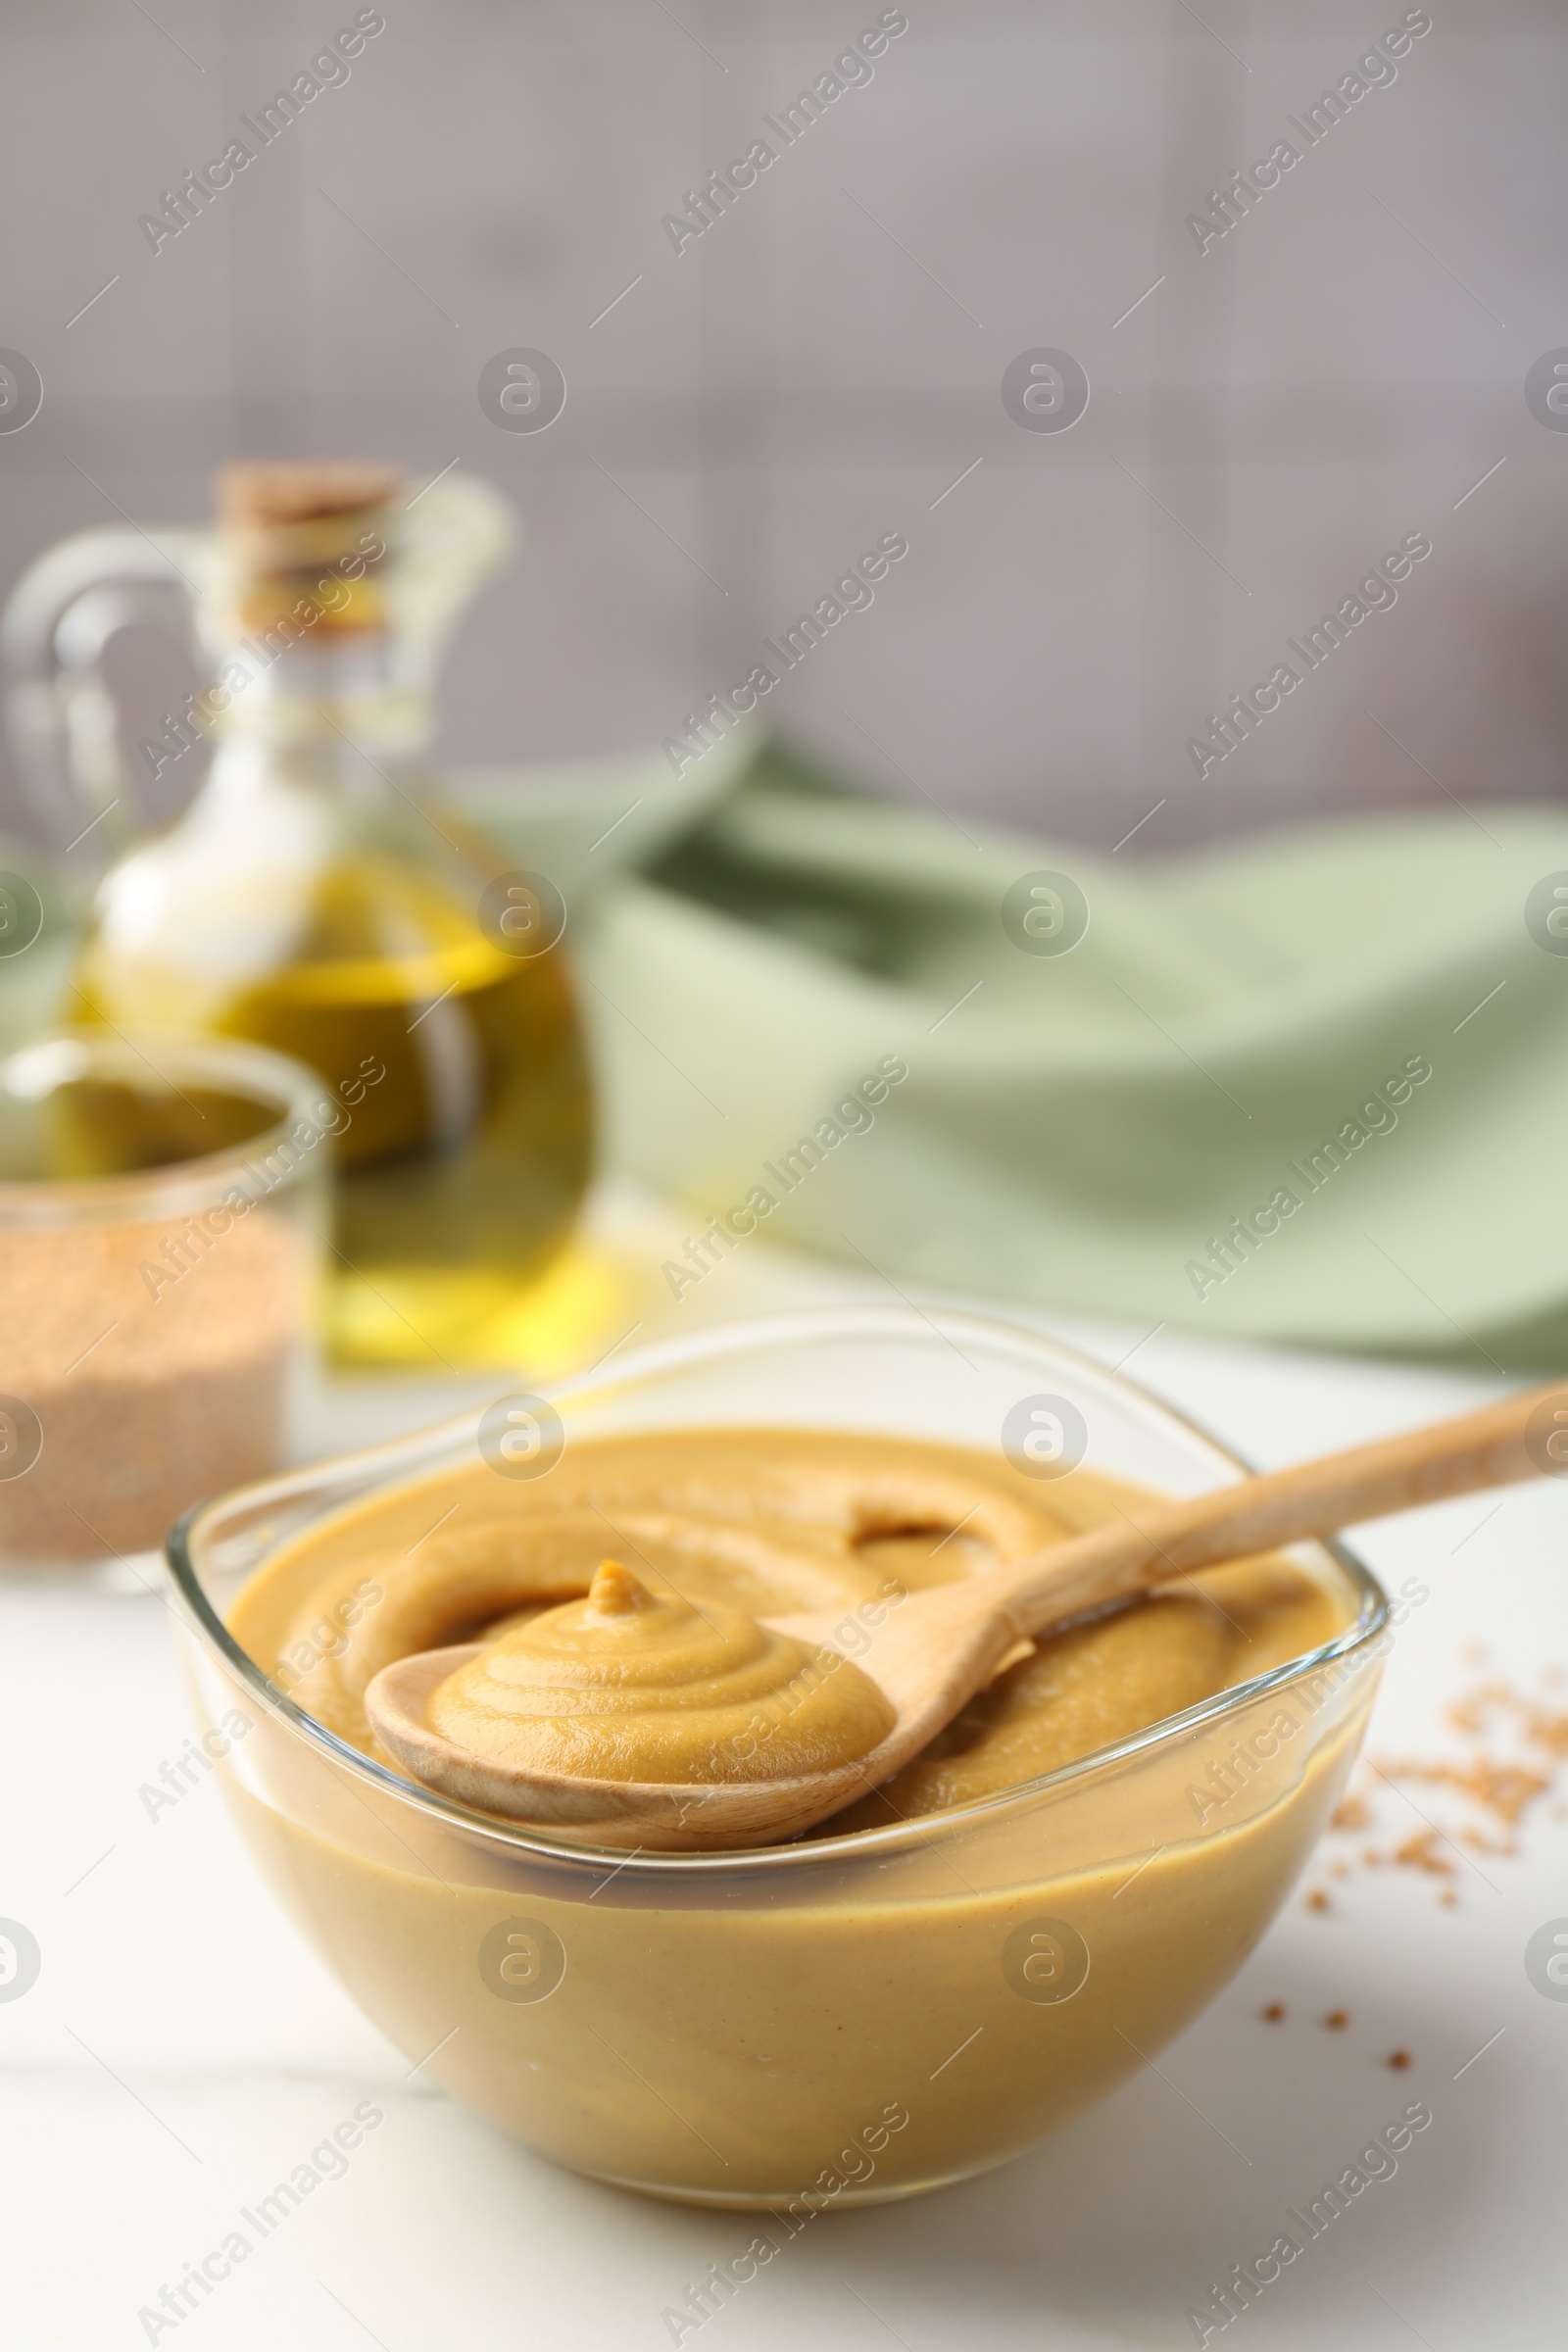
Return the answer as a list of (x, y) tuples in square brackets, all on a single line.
[(62, 716)]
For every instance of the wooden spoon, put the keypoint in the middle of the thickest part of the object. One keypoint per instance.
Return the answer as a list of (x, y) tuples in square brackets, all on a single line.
[(936, 1648)]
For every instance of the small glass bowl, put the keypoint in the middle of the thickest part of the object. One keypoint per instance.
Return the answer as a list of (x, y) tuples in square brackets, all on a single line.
[(160, 1205), (835, 2021)]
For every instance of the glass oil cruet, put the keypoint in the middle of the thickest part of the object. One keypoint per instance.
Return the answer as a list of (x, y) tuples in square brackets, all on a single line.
[(315, 896)]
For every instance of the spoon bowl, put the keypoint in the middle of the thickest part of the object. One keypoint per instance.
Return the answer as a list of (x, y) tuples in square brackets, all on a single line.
[(647, 1816)]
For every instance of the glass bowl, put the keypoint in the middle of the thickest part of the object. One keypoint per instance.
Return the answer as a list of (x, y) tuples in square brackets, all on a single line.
[(834, 2022), (162, 1200)]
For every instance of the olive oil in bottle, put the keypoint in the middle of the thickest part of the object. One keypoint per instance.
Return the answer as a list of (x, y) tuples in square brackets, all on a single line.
[(313, 898)]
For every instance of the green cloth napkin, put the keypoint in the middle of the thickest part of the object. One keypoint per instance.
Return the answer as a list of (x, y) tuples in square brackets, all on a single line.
[(1310, 1086)]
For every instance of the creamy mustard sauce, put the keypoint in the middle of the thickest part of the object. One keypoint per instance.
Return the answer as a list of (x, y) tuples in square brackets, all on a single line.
[(627, 1685), (860, 2017), (663, 1674)]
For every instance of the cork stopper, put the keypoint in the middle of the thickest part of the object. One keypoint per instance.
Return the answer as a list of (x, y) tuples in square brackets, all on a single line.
[(256, 493), (305, 545)]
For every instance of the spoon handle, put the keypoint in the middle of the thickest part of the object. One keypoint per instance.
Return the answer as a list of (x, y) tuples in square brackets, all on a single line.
[(1522, 1437)]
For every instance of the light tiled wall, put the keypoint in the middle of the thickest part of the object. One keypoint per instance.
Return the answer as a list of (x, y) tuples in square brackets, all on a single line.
[(820, 365)]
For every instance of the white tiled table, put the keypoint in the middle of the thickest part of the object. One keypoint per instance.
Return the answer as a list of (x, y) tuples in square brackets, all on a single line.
[(182, 2050)]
